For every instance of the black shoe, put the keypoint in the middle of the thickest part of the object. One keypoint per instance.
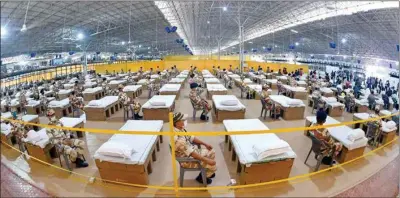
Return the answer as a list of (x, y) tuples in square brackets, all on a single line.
[(200, 179), (212, 176), (80, 163)]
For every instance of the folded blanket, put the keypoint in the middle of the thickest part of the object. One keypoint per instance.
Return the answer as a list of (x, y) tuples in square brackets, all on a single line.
[(355, 135), (390, 125), (294, 102), (157, 103), (95, 103), (272, 148), (229, 102), (116, 149)]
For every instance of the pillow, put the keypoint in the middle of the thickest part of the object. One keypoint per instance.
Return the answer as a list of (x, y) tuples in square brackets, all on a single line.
[(331, 100), (390, 125), (272, 148), (116, 149), (294, 102), (157, 103), (42, 134), (95, 103), (229, 102), (356, 134), (32, 136)]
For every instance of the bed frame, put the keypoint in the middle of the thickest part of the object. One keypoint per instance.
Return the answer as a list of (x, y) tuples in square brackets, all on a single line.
[(335, 111), (176, 93), (63, 96), (211, 93), (330, 94), (262, 172), (8, 139), (35, 110), (42, 154), (221, 115), (361, 108), (158, 114), (297, 94), (134, 94), (18, 107), (101, 114), (93, 96), (293, 113), (388, 136), (62, 112), (114, 86), (129, 173)]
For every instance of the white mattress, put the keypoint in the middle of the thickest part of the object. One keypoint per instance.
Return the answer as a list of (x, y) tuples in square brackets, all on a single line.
[(32, 103), (340, 133), (295, 89), (244, 143), (361, 116), (385, 112), (89, 84), (6, 115), (332, 104), (282, 77), (117, 82), (272, 81), (144, 81), (132, 88), (181, 76), (325, 90), (70, 122), (211, 80), (170, 87), (361, 102), (208, 76), (205, 72), (169, 100), (68, 86), (177, 80), (59, 103), (48, 92), (5, 128), (216, 87), (247, 81), (64, 91), (217, 99), (301, 82), (122, 75), (283, 101), (105, 102), (235, 76), (29, 118), (154, 76), (93, 90), (142, 143), (255, 87)]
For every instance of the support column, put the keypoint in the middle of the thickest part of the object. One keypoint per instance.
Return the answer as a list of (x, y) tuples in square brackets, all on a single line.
[(85, 64)]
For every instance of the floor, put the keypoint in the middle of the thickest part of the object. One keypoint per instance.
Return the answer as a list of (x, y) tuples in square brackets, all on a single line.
[(329, 183)]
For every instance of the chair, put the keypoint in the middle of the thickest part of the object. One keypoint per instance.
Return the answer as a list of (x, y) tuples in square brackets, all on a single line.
[(182, 169), (195, 110), (316, 147)]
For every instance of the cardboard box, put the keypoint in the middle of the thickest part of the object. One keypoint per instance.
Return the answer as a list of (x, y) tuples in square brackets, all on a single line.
[(347, 155), (293, 113)]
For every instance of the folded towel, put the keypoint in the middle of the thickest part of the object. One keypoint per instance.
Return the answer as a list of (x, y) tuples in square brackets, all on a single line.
[(95, 103), (229, 102), (157, 103), (116, 149), (270, 149), (355, 135)]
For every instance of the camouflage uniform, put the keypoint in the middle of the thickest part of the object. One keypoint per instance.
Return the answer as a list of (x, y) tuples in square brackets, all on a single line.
[(124, 100), (18, 130), (22, 99), (198, 102), (43, 101), (78, 90), (106, 88), (329, 145), (265, 97), (61, 139), (184, 147), (75, 102)]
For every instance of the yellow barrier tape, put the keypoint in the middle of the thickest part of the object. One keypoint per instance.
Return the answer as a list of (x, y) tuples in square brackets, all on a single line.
[(303, 176), (202, 133)]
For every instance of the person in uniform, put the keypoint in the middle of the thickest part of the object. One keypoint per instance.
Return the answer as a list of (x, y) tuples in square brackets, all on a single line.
[(374, 128), (63, 142), (350, 101), (329, 145), (190, 146), (78, 89), (43, 100), (7, 102), (22, 100), (199, 102), (75, 102), (105, 87), (265, 97), (125, 101)]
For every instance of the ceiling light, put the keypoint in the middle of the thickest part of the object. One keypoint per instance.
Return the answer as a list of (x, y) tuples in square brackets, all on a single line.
[(208, 22), (250, 42), (276, 46), (296, 43), (3, 31), (344, 57), (224, 8), (23, 29), (148, 48), (80, 36), (123, 42), (140, 45), (344, 40), (129, 42), (263, 47), (294, 31)]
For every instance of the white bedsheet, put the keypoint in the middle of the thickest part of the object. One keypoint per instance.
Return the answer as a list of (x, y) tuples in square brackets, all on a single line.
[(43, 142), (234, 76), (68, 86), (64, 91), (117, 82), (104, 102), (208, 76), (295, 89), (170, 87), (132, 88), (6, 115), (168, 99), (181, 76), (70, 122), (29, 118), (217, 99), (142, 143), (211, 80), (244, 143), (284, 101), (361, 116), (144, 81), (301, 82), (255, 87), (216, 87), (92, 90), (177, 80), (325, 90), (89, 84), (154, 76), (272, 81), (59, 103), (340, 133), (32, 103)]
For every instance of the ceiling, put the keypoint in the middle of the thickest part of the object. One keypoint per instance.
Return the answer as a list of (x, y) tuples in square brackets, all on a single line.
[(370, 29)]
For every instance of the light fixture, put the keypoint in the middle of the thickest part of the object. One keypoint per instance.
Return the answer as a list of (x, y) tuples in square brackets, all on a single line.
[(23, 29), (129, 42), (345, 57), (224, 8), (3, 31), (208, 22), (263, 47), (276, 46), (123, 42), (80, 36), (344, 40), (148, 48), (250, 42), (140, 45), (294, 31), (296, 43)]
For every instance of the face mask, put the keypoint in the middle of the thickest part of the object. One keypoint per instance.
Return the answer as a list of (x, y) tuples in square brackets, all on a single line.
[(185, 124)]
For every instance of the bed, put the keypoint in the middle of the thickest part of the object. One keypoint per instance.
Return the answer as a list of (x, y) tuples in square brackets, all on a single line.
[(74, 123), (251, 169), (69, 86), (361, 105), (114, 83), (15, 104), (133, 91), (40, 147), (257, 89), (49, 93), (145, 82), (283, 79), (301, 83), (360, 116), (211, 81), (208, 76), (6, 135), (62, 108), (351, 150), (177, 81), (93, 93), (259, 78), (295, 92), (272, 83), (335, 108), (234, 76), (216, 89), (154, 76), (100, 110), (34, 107), (246, 81), (327, 92), (292, 109), (227, 107), (90, 84), (385, 113), (158, 107), (136, 168), (389, 130), (64, 93), (170, 89)]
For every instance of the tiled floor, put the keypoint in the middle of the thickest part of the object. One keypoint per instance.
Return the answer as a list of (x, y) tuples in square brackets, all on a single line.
[(329, 183)]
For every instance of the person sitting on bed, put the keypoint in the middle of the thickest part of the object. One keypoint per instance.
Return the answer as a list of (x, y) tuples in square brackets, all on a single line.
[(190, 146), (198, 102), (125, 101), (63, 142), (329, 146)]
